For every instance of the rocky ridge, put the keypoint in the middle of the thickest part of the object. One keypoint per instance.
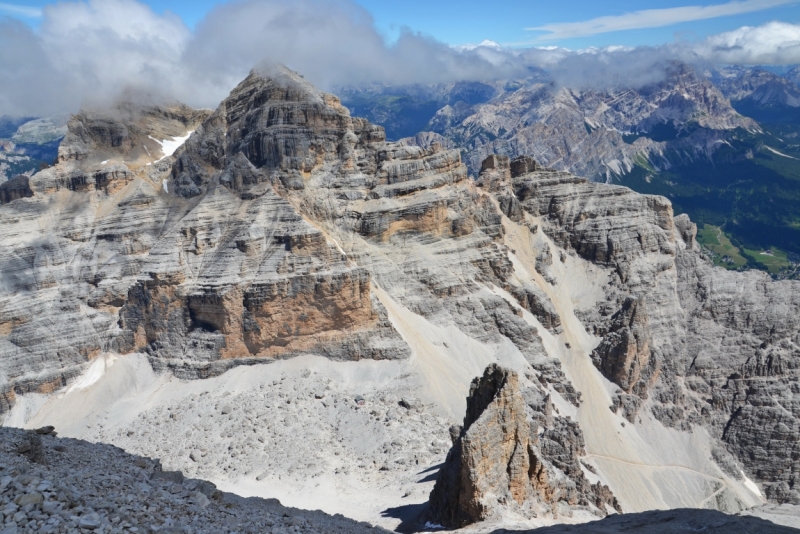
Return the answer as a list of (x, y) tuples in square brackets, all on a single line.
[(757, 85)]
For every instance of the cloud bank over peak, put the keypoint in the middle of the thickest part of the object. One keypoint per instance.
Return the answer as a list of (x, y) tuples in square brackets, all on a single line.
[(88, 53)]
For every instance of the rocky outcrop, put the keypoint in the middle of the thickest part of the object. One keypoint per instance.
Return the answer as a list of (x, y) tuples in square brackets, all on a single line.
[(624, 355), (132, 131), (501, 459), (703, 345), (15, 188)]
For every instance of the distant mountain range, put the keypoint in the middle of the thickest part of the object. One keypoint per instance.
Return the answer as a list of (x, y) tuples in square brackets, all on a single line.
[(28, 144), (721, 144)]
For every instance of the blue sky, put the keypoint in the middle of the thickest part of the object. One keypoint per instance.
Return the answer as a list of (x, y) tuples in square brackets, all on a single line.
[(505, 21)]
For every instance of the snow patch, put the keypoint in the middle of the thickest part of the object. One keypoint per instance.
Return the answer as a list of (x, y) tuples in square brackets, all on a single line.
[(95, 372), (340, 248), (749, 484), (164, 184), (169, 146), (780, 153), (436, 526), (103, 162)]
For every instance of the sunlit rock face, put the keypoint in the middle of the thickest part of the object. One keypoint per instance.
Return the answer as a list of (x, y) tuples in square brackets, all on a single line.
[(283, 227)]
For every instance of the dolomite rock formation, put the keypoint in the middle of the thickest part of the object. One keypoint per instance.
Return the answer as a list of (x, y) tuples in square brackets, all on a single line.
[(17, 187), (500, 458), (285, 227)]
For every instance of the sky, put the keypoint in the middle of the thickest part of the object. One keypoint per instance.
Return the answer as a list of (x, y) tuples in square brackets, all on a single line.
[(512, 22), (56, 56)]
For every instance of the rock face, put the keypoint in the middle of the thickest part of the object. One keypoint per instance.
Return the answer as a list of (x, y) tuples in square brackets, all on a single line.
[(500, 458), (17, 187), (624, 355), (687, 336), (283, 226)]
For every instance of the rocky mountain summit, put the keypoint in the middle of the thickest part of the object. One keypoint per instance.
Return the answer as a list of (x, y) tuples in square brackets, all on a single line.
[(171, 251)]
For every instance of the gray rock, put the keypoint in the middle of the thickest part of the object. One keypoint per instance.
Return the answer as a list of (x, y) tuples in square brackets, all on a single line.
[(328, 212), (669, 522), (105, 481), (90, 521)]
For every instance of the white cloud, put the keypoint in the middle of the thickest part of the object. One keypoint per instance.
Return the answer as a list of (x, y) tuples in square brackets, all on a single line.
[(24, 11), (652, 18), (91, 52), (774, 43)]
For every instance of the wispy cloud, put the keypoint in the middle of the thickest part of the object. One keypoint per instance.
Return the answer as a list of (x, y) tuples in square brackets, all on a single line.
[(25, 11), (652, 18)]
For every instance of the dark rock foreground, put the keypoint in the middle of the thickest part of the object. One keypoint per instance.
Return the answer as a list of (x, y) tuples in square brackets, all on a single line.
[(51, 485)]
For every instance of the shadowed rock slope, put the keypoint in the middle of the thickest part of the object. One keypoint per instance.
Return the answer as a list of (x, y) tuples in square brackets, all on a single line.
[(668, 522), (50, 485)]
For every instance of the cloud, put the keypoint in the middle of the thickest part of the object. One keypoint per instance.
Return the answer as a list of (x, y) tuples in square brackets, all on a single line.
[(612, 67), (774, 43), (651, 18), (24, 11), (331, 43), (88, 53)]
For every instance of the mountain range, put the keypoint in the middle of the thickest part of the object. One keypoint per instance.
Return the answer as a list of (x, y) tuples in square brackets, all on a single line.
[(721, 144), (273, 297)]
